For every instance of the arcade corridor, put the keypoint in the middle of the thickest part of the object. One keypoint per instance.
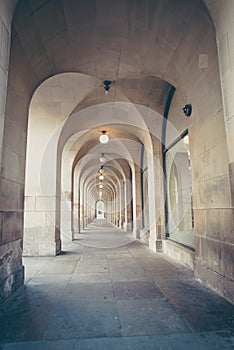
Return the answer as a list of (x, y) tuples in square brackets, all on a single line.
[(116, 174), (121, 297)]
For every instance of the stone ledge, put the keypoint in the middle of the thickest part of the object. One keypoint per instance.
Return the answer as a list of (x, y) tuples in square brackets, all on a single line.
[(178, 252)]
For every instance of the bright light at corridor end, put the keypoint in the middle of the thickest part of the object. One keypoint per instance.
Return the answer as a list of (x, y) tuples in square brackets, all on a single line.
[(104, 138)]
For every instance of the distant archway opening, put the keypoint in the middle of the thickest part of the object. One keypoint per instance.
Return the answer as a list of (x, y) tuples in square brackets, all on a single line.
[(100, 210)]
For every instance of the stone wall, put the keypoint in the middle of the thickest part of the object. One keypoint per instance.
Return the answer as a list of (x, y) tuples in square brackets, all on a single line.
[(11, 188)]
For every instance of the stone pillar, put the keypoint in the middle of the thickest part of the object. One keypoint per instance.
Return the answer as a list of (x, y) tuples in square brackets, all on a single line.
[(156, 197), (119, 205), (123, 218), (214, 226), (12, 160), (42, 192), (137, 203), (128, 206), (82, 225), (222, 12)]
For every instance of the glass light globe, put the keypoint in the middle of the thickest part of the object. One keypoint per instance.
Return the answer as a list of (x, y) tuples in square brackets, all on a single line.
[(102, 159), (104, 138), (100, 186), (101, 171), (101, 177)]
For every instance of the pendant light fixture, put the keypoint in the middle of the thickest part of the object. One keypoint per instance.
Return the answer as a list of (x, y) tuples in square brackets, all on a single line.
[(107, 84), (104, 138), (101, 170), (102, 158)]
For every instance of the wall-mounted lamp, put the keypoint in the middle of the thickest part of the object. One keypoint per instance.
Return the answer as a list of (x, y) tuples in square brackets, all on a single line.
[(104, 138), (187, 109), (107, 84)]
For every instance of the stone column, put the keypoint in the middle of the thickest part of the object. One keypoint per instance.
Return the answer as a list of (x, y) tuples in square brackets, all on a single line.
[(128, 206), (12, 161), (119, 205), (222, 12), (137, 202), (42, 192), (156, 197)]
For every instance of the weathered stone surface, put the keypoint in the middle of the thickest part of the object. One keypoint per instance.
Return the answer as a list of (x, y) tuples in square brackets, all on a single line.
[(127, 37), (11, 195), (12, 226), (58, 303), (182, 254), (11, 269), (231, 167)]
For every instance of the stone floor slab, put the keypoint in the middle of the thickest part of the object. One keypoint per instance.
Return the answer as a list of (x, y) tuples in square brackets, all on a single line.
[(98, 266), (91, 278), (202, 341), (84, 319), (58, 267), (89, 292), (144, 302), (149, 317), (49, 279), (136, 290), (26, 314), (117, 343), (131, 275)]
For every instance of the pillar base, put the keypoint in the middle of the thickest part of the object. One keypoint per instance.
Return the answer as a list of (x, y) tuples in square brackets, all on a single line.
[(127, 227), (136, 233), (40, 242), (155, 245)]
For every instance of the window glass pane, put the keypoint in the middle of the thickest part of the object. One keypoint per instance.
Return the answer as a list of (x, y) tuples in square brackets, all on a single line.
[(179, 193)]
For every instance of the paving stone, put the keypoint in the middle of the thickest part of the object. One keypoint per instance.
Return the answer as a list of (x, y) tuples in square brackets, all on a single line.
[(201, 308), (84, 319), (149, 317), (89, 292), (27, 313), (117, 343), (49, 279), (203, 341), (87, 266), (91, 277), (125, 274), (69, 255), (58, 267), (119, 257), (136, 290), (143, 302)]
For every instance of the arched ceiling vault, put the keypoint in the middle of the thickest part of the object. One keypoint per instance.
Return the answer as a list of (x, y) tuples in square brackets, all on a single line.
[(141, 46), (134, 44)]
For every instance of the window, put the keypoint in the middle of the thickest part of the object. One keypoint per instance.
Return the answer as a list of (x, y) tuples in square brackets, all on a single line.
[(179, 211)]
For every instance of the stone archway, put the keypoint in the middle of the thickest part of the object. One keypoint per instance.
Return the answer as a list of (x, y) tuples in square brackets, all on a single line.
[(170, 38)]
